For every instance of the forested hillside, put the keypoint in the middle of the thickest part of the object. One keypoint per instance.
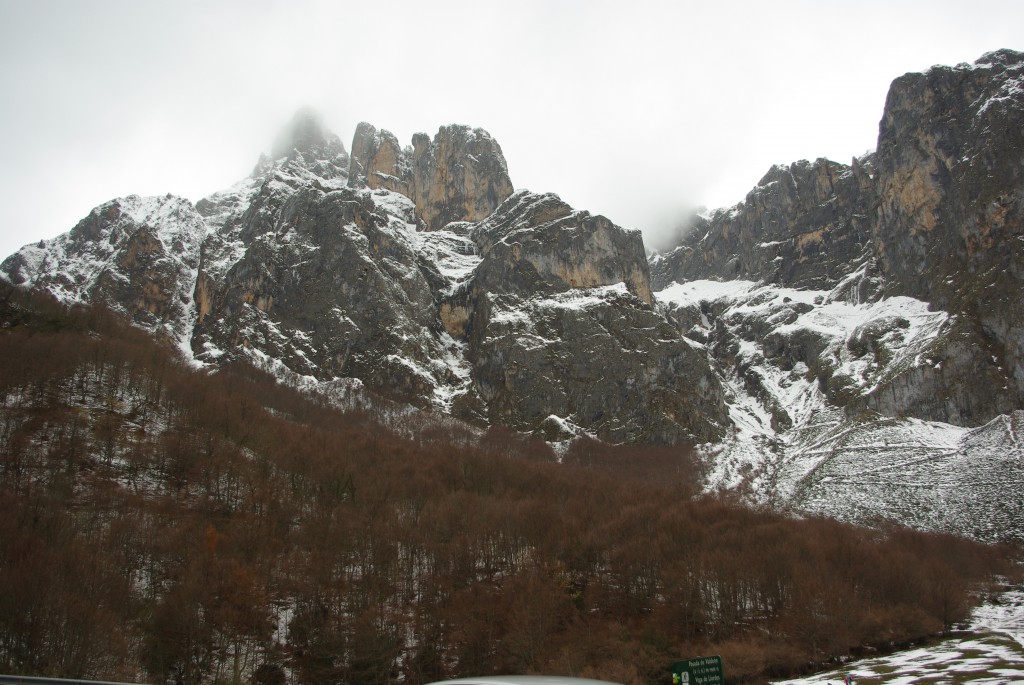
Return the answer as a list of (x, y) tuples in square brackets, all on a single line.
[(166, 524)]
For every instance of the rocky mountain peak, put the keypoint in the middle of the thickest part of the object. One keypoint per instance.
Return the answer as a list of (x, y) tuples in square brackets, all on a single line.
[(378, 161), (880, 298), (460, 175), (305, 135), (306, 141), (1003, 57)]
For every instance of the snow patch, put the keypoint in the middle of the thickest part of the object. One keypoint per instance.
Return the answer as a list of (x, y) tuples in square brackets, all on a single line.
[(992, 653)]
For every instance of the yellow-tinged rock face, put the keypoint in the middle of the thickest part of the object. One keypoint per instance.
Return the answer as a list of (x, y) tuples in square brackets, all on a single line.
[(377, 161), (913, 195), (204, 295), (459, 176), (805, 239), (454, 319)]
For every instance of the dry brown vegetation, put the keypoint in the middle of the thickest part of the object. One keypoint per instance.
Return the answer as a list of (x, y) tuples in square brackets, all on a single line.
[(169, 525)]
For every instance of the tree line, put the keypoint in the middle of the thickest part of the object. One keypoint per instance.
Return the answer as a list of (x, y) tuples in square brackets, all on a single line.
[(172, 525)]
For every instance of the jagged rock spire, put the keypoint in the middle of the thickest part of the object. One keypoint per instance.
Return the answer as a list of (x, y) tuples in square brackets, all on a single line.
[(460, 175)]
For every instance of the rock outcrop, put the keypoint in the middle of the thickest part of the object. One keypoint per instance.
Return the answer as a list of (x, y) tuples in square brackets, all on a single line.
[(593, 359), (807, 225), (459, 176), (934, 214), (950, 223), (333, 291), (134, 255), (538, 244), (561, 332), (377, 161)]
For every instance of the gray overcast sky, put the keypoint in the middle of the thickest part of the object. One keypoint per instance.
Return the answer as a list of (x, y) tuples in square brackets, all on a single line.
[(634, 109)]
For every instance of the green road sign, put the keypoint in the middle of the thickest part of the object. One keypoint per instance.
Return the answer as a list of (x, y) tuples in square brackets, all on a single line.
[(704, 670)]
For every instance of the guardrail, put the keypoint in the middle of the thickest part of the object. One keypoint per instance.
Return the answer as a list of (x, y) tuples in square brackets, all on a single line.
[(33, 680)]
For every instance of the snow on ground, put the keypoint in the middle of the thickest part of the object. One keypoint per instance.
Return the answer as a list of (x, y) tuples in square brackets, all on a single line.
[(695, 292), (925, 474), (583, 298), (511, 310), (787, 314), (991, 653), (454, 255), (791, 446), (453, 360)]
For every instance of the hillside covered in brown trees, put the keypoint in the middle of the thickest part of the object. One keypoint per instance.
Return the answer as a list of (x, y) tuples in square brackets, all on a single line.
[(165, 524)]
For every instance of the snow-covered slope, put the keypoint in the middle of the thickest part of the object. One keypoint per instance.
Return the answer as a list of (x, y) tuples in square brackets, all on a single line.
[(807, 374), (494, 306), (139, 255), (841, 325), (866, 319), (989, 651)]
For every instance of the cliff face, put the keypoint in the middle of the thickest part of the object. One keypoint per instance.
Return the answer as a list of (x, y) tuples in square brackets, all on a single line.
[(332, 290), (561, 330), (537, 243), (836, 319), (414, 272), (460, 175), (378, 161), (806, 225), (950, 219), (934, 214)]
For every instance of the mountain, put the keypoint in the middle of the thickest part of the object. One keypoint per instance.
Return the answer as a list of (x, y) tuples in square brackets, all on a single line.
[(164, 524), (865, 318), (839, 325)]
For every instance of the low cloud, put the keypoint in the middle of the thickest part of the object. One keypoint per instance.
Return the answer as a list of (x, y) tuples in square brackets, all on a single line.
[(638, 111)]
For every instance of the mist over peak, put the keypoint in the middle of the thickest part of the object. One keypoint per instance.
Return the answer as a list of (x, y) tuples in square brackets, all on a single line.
[(671, 225), (306, 134)]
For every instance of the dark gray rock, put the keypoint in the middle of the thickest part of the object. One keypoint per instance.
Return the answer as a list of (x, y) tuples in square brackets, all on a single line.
[(332, 289), (599, 359), (807, 225), (561, 331), (950, 224), (135, 255), (538, 244)]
